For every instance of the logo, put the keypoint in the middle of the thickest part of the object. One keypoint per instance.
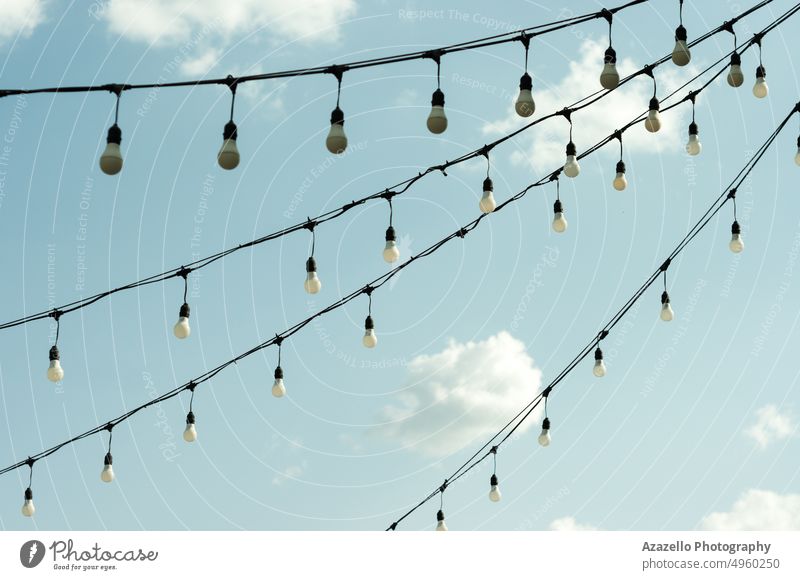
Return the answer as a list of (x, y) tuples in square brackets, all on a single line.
[(31, 553)]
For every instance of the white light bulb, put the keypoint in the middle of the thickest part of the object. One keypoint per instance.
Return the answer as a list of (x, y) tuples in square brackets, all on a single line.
[(440, 525), (760, 89), (391, 253), (693, 146), (437, 120), (571, 166), (107, 475), (735, 76), (797, 157), (54, 372), (487, 203), (494, 492), (681, 54), (653, 121), (369, 340), (190, 433), (228, 156), (736, 244), (111, 158), (544, 438), (525, 105), (667, 314), (28, 509), (599, 368), (609, 78), (312, 284), (336, 142), (181, 329), (559, 221), (620, 182), (278, 388)]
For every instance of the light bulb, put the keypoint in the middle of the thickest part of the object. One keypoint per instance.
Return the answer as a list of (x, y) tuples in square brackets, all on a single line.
[(440, 525), (337, 140), (369, 340), (681, 54), (437, 120), (54, 372), (190, 433), (735, 76), (525, 105), (544, 436), (107, 475), (760, 89), (28, 509), (609, 78), (797, 155), (653, 121), (487, 203), (737, 243), (494, 492), (228, 156), (278, 388), (571, 167), (391, 253), (666, 310), (559, 221), (111, 159), (620, 183), (312, 283), (181, 328), (693, 146), (599, 368)]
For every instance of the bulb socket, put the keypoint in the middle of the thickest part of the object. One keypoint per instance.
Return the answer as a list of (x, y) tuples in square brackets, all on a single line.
[(440, 516), (369, 324), (190, 418), (390, 235), (680, 33), (337, 117), (488, 185), (230, 131), (525, 82), (736, 59), (493, 480), (184, 312), (437, 99), (108, 459), (620, 166), (598, 354), (54, 355), (28, 494), (610, 56), (798, 142), (761, 72), (654, 104), (571, 149), (546, 424), (311, 265), (693, 128), (735, 229), (557, 207), (114, 134), (664, 297), (278, 373)]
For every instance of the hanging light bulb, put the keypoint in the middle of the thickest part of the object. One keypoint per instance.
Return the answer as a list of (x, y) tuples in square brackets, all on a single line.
[(559, 221), (760, 89), (437, 120), (693, 145), (54, 372), (525, 105), (571, 167), (278, 388), (735, 76), (312, 283), (737, 243), (666, 309), (620, 183), (681, 54), (494, 492), (369, 340), (181, 328), (391, 253), (487, 203), (228, 156), (609, 78), (653, 121), (797, 155), (111, 159), (190, 433), (599, 368), (28, 509), (336, 141), (440, 525), (544, 436), (107, 475)]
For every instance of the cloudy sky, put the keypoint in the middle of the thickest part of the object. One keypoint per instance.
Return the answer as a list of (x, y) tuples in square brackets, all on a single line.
[(695, 425)]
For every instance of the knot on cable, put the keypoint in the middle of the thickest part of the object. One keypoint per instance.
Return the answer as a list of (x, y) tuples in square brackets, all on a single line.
[(664, 266), (607, 14), (604, 333), (191, 386), (278, 339), (231, 81), (566, 112), (434, 55), (338, 70), (731, 194), (183, 272), (56, 314), (109, 427), (310, 225), (388, 195), (368, 290), (443, 486), (525, 39)]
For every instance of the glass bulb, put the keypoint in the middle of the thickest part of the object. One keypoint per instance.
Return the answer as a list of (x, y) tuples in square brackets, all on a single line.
[(693, 146), (391, 253), (544, 438), (609, 78), (28, 509), (737, 243), (735, 76), (525, 105), (190, 433), (797, 157), (495, 494), (107, 475), (653, 121), (571, 167), (312, 284), (111, 159), (487, 203), (278, 388), (228, 156), (760, 89), (681, 54), (369, 340), (599, 369), (441, 526), (54, 372), (559, 223), (620, 183), (181, 328), (667, 313), (437, 120), (336, 141)]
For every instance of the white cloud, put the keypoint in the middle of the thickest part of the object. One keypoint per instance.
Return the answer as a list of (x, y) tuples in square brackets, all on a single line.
[(201, 64), (568, 524), (291, 472), (21, 17), (758, 510), (462, 393), (771, 426), (545, 143)]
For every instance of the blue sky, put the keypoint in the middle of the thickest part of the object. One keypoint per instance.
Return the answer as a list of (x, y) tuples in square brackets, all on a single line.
[(695, 424)]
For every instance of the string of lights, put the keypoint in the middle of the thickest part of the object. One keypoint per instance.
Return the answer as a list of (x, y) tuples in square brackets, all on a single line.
[(391, 252)]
